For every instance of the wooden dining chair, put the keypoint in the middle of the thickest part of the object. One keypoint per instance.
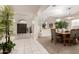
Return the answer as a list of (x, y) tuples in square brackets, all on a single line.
[(54, 37), (77, 34), (72, 38), (52, 34)]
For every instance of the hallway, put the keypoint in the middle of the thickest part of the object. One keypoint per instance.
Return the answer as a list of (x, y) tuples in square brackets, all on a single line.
[(28, 46)]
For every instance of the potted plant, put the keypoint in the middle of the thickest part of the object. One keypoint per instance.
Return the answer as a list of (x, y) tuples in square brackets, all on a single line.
[(6, 16), (8, 48), (61, 25)]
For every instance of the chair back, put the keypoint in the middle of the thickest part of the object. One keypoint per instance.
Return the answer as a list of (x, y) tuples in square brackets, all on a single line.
[(77, 33), (73, 34), (53, 34)]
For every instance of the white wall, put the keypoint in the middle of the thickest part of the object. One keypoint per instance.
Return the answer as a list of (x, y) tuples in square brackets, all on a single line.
[(36, 27), (27, 18)]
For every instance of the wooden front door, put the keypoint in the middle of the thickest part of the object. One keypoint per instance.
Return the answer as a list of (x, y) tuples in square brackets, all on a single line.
[(21, 28)]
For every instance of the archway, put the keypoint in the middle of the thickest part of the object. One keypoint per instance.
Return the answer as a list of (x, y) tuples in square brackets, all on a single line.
[(22, 27)]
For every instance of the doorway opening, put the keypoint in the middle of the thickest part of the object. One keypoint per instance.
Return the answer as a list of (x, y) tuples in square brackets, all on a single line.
[(21, 28)]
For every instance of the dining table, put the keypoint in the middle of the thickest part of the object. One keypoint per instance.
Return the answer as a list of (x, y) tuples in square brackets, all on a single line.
[(64, 36)]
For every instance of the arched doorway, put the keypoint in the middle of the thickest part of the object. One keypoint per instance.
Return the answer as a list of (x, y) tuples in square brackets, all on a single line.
[(21, 27)]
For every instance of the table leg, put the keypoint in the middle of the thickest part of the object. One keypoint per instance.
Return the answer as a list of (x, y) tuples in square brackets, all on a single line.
[(64, 37)]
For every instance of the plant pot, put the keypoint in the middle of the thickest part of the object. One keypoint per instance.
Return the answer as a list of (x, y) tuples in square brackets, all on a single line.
[(6, 51)]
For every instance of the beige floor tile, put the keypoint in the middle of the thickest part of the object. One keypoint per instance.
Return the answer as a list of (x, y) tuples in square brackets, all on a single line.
[(27, 46)]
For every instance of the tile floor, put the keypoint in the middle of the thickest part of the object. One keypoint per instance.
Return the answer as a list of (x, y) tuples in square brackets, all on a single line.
[(27, 45)]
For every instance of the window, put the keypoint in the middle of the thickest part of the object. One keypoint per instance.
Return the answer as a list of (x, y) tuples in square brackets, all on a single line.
[(75, 24)]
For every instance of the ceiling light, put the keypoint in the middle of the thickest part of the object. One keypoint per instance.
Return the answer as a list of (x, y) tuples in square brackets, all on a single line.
[(57, 20), (69, 8), (53, 5)]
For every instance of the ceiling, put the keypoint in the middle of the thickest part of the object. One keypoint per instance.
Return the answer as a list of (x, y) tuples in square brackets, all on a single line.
[(59, 11), (25, 9), (48, 10), (27, 12)]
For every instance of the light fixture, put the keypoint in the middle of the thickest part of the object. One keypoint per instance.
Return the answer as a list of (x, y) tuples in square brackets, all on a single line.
[(69, 10), (69, 17), (57, 20), (53, 5)]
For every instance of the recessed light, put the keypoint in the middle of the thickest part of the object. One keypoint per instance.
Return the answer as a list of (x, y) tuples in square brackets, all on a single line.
[(69, 8), (53, 5)]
